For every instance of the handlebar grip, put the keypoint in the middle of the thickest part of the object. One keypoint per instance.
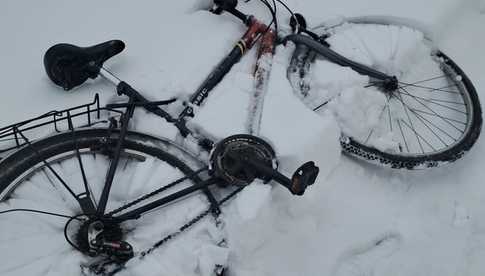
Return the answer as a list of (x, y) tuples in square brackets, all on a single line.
[(226, 4), (230, 7)]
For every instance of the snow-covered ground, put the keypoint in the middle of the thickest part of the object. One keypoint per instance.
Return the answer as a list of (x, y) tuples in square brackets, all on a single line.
[(357, 220)]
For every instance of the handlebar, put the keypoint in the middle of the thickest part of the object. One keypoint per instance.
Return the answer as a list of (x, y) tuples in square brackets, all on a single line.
[(226, 4), (230, 7)]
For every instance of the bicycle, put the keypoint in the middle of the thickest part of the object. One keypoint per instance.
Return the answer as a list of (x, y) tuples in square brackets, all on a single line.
[(231, 163)]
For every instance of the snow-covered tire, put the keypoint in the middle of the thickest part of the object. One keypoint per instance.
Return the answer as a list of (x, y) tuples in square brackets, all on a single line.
[(23, 160), (22, 185), (300, 74)]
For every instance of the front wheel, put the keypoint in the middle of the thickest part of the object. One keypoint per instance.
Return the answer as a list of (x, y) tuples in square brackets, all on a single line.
[(432, 116)]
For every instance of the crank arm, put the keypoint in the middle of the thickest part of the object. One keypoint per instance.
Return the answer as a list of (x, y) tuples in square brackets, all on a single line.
[(303, 177)]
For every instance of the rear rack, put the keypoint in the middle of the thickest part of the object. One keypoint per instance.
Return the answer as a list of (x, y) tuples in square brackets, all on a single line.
[(13, 137)]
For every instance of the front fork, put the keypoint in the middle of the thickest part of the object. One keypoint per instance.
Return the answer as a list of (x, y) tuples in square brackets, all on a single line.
[(306, 50), (299, 68)]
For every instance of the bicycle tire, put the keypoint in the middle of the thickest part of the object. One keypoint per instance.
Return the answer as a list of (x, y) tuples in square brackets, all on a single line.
[(18, 174), (300, 74)]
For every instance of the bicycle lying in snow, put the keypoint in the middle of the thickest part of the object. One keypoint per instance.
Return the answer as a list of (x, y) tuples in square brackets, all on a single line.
[(433, 118)]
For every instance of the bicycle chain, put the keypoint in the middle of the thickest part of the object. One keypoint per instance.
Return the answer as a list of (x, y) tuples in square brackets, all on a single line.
[(156, 192), (171, 236), (189, 224)]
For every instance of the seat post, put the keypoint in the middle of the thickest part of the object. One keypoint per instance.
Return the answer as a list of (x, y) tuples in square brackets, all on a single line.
[(109, 76)]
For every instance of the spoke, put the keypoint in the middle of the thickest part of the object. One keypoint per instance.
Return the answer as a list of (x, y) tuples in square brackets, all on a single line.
[(53, 251), (370, 133), (320, 106), (373, 83), (421, 118), (444, 87), (437, 127), (424, 99), (434, 112), (444, 101), (390, 118), (430, 79), (414, 84), (402, 133), (38, 212), (412, 126), (443, 117), (417, 135), (58, 177), (364, 45), (52, 183), (393, 50), (379, 119), (431, 89)]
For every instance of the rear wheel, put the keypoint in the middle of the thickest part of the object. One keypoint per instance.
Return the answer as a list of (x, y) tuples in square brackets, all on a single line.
[(36, 242), (434, 114)]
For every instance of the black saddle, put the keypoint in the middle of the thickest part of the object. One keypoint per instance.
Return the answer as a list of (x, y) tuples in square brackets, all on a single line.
[(69, 66)]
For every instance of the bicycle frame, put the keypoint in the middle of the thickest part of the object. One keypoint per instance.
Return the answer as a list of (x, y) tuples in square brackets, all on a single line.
[(256, 30)]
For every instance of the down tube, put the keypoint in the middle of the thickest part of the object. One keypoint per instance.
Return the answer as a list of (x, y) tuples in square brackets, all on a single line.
[(261, 78), (241, 47)]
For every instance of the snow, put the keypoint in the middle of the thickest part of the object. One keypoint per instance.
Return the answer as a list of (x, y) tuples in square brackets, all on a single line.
[(358, 219)]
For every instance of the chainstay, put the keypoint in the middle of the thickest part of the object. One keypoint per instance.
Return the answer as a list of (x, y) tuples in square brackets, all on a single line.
[(174, 234), (189, 224), (156, 192)]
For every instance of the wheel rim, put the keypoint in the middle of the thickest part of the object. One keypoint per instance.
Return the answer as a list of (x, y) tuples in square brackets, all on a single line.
[(427, 115), (45, 234)]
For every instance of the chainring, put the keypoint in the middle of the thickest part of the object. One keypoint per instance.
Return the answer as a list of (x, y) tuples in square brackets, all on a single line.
[(225, 159)]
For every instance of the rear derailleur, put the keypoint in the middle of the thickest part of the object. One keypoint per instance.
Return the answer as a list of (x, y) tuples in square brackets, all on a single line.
[(103, 239)]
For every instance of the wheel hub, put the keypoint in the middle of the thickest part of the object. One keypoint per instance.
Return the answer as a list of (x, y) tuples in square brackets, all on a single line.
[(391, 84)]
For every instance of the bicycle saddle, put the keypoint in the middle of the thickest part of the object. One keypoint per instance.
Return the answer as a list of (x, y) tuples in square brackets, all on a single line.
[(69, 65)]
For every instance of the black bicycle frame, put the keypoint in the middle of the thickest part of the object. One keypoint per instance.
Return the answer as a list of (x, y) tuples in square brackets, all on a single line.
[(255, 31)]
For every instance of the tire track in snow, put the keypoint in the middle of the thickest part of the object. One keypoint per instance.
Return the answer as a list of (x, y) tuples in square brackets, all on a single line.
[(362, 260)]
